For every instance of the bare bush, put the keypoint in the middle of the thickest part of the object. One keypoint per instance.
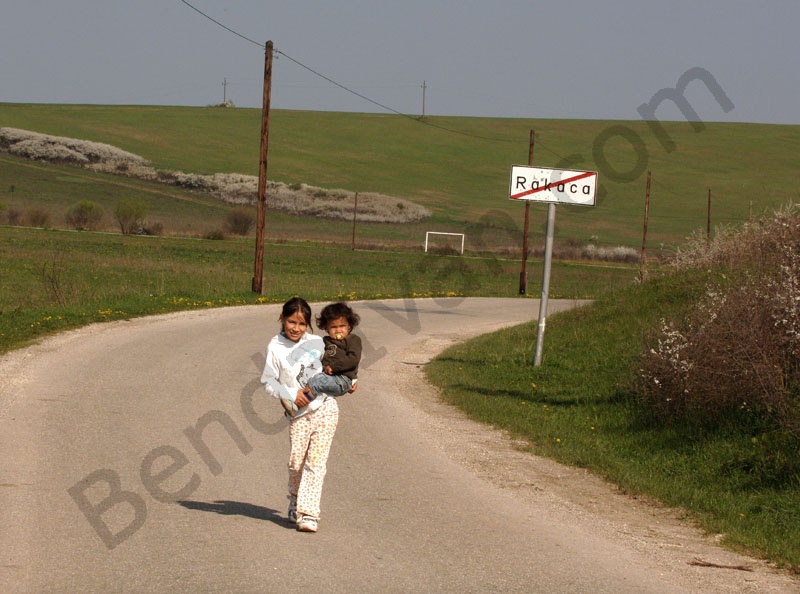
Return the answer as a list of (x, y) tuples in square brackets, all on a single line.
[(738, 350), (752, 246), (14, 217), (84, 216), (240, 221), (155, 228), (215, 234), (37, 217)]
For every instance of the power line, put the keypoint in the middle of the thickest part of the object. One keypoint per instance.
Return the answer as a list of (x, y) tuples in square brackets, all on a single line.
[(213, 20), (360, 95)]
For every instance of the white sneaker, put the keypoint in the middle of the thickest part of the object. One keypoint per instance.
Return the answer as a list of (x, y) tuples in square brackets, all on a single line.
[(306, 524)]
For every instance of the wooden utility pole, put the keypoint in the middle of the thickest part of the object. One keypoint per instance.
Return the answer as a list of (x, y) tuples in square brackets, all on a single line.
[(643, 265), (355, 213), (523, 275), (708, 219), (258, 275), (224, 91), (424, 88)]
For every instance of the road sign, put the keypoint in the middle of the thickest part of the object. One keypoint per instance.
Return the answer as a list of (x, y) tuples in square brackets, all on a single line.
[(544, 184), (555, 186)]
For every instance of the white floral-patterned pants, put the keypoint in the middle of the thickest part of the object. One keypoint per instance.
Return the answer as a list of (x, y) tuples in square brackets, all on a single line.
[(311, 436)]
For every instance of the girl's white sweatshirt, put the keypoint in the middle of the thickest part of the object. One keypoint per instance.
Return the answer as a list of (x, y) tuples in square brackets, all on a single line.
[(289, 365)]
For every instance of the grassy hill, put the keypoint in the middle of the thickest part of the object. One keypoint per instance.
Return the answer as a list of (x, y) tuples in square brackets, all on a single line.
[(458, 167)]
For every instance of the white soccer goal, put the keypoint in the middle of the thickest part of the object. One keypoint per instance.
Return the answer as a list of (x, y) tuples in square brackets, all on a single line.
[(429, 233)]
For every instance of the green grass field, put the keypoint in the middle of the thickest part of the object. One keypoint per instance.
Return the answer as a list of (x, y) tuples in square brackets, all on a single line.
[(460, 167), (55, 279)]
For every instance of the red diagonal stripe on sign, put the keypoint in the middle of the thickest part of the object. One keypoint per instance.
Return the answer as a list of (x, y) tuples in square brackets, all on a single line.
[(549, 185)]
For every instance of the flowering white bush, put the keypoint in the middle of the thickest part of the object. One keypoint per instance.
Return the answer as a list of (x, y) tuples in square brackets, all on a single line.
[(44, 147), (135, 170), (738, 349), (42, 150), (233, 188), (615, 254), (781, 295)]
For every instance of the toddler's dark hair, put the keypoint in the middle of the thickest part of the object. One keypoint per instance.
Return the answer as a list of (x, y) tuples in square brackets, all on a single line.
[(337, 310)]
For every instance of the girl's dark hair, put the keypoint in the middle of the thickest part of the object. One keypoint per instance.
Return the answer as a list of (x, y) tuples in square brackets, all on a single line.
[(337, 310), (297, 305)]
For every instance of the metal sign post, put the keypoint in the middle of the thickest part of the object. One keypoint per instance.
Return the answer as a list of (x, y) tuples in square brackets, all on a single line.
[(548, 258), (554, 186)]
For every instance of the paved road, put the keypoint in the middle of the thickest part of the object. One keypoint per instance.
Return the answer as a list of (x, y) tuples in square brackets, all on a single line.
[(103, 428)]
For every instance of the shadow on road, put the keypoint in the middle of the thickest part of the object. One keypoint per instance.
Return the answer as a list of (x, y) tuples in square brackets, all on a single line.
[(237, 508)]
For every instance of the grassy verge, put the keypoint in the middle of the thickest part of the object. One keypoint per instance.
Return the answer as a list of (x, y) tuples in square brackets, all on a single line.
[(578, 408), (52, 280)]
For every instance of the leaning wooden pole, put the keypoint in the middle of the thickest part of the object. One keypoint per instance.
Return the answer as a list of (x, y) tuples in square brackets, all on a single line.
[(258, 275)]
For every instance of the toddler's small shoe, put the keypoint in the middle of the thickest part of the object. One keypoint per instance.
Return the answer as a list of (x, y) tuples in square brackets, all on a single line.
[(289, 406)]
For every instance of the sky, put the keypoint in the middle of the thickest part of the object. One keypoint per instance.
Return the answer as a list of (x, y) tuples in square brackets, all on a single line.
[(587, 59)]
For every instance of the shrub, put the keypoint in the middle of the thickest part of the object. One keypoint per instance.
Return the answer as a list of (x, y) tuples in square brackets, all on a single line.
[(215, 234), (84, 216), (45, 147), (37, 217), (130, 214), (155, 228), (47, 151), (240, 221), (192, 181), (736, 355), (233, 188), (14, 217)]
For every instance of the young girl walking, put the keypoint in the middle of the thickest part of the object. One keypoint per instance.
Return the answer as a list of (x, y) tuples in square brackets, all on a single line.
[(293, 356)]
